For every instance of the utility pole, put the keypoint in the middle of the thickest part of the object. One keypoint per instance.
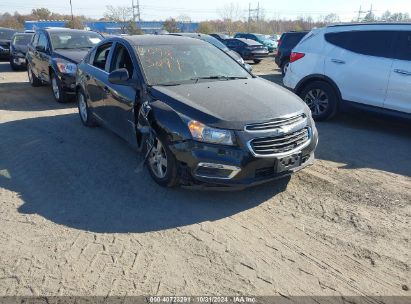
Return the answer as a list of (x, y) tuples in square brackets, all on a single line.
[(71, 8), (136, 10), (253, 14)]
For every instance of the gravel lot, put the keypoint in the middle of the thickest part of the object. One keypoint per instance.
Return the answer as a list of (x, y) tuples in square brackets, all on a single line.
[(78, 216)]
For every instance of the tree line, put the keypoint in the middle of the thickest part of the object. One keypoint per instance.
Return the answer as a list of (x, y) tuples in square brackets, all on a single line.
[(231, 21)]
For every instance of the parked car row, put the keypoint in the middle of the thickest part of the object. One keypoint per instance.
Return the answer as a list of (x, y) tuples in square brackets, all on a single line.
[(348, 66), (197, 114)]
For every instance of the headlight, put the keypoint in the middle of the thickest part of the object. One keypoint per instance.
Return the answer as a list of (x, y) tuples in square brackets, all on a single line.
[(204, 133), (66, 67)]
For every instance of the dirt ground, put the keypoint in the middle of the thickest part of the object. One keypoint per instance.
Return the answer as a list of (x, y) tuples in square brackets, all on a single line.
[(79, 217)]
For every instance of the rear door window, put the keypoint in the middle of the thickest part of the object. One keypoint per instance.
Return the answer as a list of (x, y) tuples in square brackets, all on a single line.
[(371, 43), (100, 59), (403, 46)]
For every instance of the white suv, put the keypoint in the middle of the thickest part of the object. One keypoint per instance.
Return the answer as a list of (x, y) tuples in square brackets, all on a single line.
[(363, 65)]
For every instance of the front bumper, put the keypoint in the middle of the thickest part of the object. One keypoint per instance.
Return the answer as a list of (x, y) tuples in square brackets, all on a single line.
[(18, 60), (245, 168), (68, 83)]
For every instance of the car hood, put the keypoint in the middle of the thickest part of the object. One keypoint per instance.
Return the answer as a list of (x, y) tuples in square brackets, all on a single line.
[(20, 48), (74, 56), (230, 104)]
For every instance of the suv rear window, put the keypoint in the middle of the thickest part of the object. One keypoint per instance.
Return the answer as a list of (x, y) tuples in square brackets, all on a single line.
[(291, 40), (403, 46), (371, 43)]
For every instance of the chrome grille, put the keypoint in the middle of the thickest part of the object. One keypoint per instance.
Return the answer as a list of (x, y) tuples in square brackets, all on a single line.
[(280, 144), (275, 123)]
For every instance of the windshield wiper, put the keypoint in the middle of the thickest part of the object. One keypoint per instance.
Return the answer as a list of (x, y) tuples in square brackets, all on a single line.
[(219, 77)]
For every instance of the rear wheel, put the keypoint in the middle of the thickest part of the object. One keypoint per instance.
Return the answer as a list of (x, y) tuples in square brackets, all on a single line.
[(257, 61), (322, 100), (161, 162), (34, 81), (284, 67), (84, 111)]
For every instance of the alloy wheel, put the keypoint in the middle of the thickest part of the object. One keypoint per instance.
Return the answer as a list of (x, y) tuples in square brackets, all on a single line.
[(30, 74), (317, 101), (55, 87), (158, 159), (82, 107)]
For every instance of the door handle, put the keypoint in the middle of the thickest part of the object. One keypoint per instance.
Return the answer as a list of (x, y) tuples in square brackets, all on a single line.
[(338, 61), (403, 72)]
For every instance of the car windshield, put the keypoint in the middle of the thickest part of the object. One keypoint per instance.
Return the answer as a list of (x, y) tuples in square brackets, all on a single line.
[(74, 40), (21, 39), (186, 63), (6, 34)]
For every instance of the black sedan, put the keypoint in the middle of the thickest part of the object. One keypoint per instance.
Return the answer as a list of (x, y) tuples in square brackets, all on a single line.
[(18, 50), (247, 48), (5, 39), (53, 55), (199, 117)]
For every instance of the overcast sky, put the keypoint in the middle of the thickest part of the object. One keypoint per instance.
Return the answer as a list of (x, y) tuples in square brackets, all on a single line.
[(199, 10)]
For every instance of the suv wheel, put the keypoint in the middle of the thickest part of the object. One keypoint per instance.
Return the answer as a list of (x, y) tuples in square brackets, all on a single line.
[(284, 67), (257, 61), (321, 98), (58, 92), (34, 81), (84, 111), (161, 162)]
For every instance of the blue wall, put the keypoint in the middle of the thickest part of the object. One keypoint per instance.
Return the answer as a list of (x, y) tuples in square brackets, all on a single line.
[(148, 27)]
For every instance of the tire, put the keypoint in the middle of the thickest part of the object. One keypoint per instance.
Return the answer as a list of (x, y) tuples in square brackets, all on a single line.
[(159, 156), (284, 67), (257, 61), (56, 88), (322, 99), (34, 81), (85, 113)]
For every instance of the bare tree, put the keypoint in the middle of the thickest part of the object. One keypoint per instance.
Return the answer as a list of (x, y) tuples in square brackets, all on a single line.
[(120, 14), (230, 13)]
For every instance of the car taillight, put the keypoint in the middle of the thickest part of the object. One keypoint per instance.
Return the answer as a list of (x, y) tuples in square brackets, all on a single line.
[(279, 42), (296, 56)]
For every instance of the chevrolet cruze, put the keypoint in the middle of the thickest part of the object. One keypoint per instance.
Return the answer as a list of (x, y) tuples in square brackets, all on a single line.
[(198, 116)]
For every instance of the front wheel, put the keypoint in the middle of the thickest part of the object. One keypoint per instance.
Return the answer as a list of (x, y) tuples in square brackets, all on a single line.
[(161, 162), (257, 61), (57, 89), (322, 100)]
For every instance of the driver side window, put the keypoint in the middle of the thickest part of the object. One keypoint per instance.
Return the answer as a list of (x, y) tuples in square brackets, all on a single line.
[(100, 59), (122, 59)]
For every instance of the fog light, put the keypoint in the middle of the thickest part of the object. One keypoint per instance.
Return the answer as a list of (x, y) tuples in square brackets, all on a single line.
[(219, 171)]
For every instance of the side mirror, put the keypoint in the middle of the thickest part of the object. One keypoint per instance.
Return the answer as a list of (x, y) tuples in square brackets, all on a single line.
[(248, 67), (119, 76), (41, 48)]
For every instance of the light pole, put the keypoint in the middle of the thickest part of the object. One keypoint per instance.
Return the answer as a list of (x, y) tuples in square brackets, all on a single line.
[(71, 8)]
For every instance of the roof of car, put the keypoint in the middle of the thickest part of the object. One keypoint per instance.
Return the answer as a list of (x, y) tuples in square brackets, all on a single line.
[(247, 41), (160, 39), (371, 23), (63, 30)]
